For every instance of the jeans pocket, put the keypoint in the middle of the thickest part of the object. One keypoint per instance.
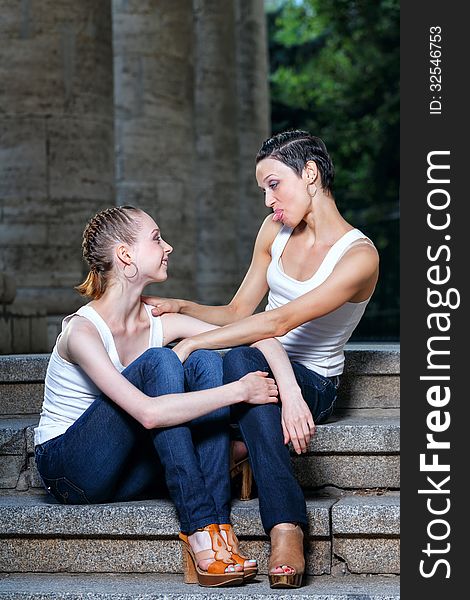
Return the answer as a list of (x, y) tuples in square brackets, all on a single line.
[(65, 491)]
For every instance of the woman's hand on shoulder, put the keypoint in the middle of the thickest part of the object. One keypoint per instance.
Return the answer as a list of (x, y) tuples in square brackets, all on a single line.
[(259, 388), (162, 305)]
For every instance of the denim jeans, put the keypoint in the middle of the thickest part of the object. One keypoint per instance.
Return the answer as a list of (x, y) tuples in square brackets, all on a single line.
[(280, 497), (107, 456)]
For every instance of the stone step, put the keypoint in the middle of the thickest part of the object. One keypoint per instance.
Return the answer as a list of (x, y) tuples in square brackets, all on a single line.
[(170, 587), (371, 379), (371, 376), (357, 448), (39, 535)]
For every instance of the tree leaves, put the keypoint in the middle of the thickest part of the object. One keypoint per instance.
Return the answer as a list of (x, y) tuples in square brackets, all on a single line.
[(335, 72)]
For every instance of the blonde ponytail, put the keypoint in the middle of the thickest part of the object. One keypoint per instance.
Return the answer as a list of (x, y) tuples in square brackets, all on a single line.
[(93, 287)]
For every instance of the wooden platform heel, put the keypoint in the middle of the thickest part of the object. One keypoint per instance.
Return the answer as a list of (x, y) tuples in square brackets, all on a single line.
[(243, 469)]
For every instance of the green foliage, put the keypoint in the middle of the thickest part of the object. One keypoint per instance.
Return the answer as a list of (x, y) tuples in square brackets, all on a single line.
[(335, 72)]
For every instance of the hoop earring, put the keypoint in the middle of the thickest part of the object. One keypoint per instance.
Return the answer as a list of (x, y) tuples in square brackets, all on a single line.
[(133, 274), (312, 196)]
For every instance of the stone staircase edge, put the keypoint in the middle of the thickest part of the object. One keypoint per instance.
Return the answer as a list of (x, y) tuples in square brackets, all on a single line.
[(361, 359)]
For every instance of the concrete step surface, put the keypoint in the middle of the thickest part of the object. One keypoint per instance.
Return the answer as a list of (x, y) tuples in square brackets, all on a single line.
[(371, 379), (171, 587), (361, 358), (358, 448), (347, 431), (38, 534)]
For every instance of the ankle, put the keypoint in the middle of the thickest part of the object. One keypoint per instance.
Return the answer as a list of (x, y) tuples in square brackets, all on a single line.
[(239, 451), (200, 540), (285, 526)]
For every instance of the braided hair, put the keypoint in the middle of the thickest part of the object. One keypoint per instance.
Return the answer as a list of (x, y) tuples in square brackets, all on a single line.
[(102, 233), (294, 149)]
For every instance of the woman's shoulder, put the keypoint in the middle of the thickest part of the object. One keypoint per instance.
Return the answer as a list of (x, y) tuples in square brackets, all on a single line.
[(78, 322), (360, 257), (361, 243), (268, 232), (76, 330)]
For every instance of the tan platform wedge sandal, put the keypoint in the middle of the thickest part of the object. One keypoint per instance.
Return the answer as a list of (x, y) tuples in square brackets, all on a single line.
[(216, 574), (250, 565), (287, 553)]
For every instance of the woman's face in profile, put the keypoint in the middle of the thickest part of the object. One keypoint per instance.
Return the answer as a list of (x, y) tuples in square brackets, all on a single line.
[(284, 191), (151, 251)]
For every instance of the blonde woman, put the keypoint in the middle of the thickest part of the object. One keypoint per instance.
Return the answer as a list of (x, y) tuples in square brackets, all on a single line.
[(122, 415)]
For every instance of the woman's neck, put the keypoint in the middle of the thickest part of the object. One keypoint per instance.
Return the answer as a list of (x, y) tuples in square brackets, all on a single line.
[(120, 307), (324, 223)]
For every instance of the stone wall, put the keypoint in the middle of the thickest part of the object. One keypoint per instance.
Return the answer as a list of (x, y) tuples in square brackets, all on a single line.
[(154, 115), (157, 103), (56, 142)]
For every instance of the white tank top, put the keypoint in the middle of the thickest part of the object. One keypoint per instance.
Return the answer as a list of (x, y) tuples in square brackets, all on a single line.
[(68, 391), (317, 344)]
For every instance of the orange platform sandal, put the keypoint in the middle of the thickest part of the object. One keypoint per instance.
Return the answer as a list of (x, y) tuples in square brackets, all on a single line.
[(216, 574), (250, 565), (287, 553)]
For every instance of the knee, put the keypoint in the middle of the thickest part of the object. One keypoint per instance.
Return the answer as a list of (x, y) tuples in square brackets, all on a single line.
[(162, 358), (202, 360), (242, 360)]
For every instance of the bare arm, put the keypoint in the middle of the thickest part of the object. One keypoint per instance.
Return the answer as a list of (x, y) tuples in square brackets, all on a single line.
[(82, 345), (176, 326), (296, 418), (250, 293), (355, 273)]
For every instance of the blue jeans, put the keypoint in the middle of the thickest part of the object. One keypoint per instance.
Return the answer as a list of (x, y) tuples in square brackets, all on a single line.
[(280, 497), (107, 456)]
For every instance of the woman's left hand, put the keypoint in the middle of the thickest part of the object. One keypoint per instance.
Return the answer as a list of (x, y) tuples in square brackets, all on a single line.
[(297, 422), (183, 349)]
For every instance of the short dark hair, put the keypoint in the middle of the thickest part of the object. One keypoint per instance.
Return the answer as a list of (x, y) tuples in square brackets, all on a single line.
[(294, 149)]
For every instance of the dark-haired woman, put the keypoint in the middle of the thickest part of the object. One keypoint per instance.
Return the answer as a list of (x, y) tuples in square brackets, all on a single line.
[(116, 418), (320, 273)]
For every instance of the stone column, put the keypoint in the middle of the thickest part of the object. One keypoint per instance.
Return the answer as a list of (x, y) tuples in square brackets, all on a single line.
[(217, 190), (56, 142), (154, 115), (253, 119), (22, 329)]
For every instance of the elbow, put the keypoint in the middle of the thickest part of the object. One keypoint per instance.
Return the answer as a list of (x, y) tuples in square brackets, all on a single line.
[(237, 311), (149, 418), (277, 326)]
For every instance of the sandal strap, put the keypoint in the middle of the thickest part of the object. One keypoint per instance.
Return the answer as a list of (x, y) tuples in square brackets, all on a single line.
[(287, 549), (218, 552), (219, 546), (232, 541), (217, 567), (233, 544)]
